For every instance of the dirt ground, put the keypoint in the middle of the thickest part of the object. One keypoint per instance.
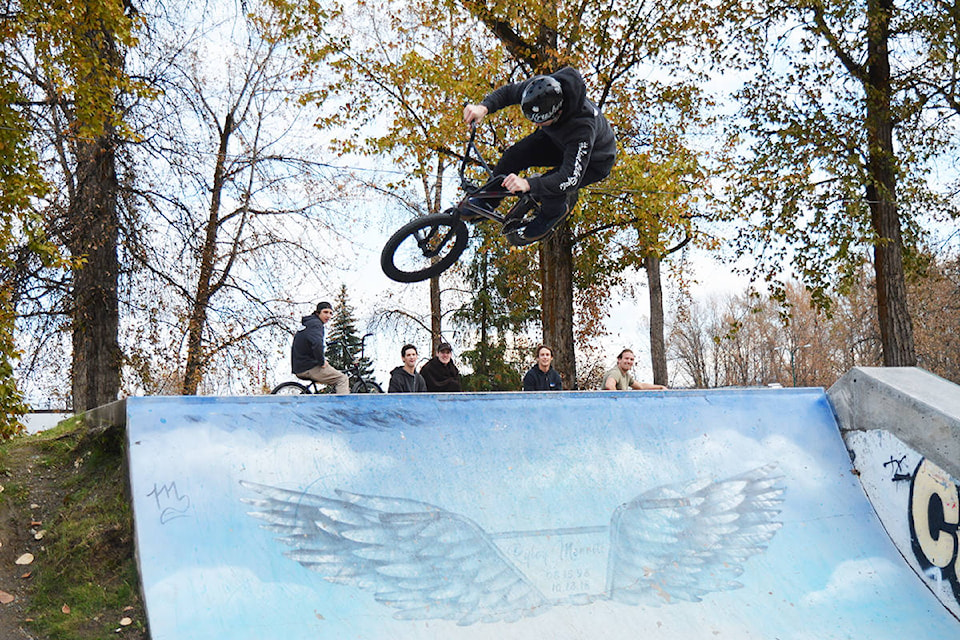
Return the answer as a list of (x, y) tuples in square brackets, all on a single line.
[(21, 519), (35, 507)]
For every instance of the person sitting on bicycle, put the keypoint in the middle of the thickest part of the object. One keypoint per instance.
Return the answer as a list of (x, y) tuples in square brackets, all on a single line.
[(572, 137), (307, 359)]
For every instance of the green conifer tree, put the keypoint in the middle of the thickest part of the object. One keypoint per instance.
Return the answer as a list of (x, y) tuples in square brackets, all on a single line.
[(501, 301), (343, 341)]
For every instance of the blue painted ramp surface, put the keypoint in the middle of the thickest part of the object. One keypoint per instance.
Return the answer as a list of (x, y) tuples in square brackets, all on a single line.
[(563, 516)]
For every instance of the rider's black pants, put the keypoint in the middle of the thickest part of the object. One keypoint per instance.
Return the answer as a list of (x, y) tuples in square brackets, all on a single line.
[(538, 150)]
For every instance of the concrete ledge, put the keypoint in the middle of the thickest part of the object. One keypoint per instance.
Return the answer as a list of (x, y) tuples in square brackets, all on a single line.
[(107, 415), (919, 408)]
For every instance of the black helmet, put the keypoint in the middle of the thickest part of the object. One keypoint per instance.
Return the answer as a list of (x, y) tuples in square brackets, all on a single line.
[(541, 99)]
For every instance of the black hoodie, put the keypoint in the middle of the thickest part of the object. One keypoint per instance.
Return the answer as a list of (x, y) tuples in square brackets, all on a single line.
[(306, 352), (581, 132)]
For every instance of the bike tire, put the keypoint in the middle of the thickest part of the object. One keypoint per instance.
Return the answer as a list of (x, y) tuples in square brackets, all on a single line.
[(424, 247), (290, 389), (366, 386)]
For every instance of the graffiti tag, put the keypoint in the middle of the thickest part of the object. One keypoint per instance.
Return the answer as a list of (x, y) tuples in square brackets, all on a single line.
[(897, 468), (170, 503)]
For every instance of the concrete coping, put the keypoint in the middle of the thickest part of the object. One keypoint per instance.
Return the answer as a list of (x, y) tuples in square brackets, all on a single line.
[(918, 407), (107, 415)]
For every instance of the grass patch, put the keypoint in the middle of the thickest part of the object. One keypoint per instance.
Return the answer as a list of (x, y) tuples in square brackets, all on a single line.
[(84, 579)]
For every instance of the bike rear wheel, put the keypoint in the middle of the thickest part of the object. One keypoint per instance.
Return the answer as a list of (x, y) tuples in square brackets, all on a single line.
[(424, 247), (290, 389), (366, 386)]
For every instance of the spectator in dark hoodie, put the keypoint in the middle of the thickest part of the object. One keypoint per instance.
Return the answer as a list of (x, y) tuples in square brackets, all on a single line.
[(406, 379), (542, 376), (440, 373), (307, 359)]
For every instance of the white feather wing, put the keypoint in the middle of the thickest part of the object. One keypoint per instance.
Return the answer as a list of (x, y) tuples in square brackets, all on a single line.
[(423, 561), (680, 542)]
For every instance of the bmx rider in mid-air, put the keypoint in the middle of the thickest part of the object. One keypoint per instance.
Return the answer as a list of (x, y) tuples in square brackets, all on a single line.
[(572, 138)]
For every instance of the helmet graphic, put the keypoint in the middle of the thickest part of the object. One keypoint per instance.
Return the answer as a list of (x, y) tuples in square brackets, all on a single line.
[(541, 99)]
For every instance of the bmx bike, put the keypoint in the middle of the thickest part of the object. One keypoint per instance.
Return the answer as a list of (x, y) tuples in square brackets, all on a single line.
[(358, 384), (429, 245)]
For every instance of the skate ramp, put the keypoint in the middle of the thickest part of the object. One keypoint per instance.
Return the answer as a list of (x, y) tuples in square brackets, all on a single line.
[(562, 516), (902, 428)]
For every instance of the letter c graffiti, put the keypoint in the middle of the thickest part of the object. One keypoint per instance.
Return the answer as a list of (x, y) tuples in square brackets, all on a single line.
[(934, 520)]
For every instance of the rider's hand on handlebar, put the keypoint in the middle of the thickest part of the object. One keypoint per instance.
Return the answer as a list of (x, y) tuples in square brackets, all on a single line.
[(473, 113), (515, 184)]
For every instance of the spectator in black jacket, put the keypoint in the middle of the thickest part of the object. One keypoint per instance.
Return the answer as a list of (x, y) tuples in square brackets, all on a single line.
[(307, 360), (542, 376), (439, 372), (407, 379), (572, 137)]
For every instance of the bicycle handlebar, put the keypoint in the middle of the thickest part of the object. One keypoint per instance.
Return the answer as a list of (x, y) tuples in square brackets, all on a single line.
[(471, 146)]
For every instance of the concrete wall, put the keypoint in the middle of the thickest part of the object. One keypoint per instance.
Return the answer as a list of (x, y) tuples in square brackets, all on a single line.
[(919, 408), (901, 427), (108, 415)]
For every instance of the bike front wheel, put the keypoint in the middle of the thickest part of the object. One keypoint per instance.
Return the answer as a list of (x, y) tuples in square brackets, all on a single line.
[(290, 389), (424, 247), (366, 386)]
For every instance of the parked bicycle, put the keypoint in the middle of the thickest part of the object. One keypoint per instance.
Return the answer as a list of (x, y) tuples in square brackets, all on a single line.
[(429, 245), (358, 384)]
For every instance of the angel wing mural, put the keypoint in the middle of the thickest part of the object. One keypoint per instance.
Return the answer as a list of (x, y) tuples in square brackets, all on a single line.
[(672, 543)]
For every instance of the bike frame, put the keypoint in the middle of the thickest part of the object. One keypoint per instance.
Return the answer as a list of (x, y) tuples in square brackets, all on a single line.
[(433, 243), (492, 189), (353, 367)]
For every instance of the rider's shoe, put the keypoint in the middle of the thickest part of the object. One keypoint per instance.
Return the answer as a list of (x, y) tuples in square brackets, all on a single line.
[(540, 227), (480, 203)]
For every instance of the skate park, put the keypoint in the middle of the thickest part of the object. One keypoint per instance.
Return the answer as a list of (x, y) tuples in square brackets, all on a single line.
[(726, 513)]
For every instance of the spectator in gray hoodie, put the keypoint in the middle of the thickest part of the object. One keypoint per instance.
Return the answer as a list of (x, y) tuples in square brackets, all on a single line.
[(407, 379)]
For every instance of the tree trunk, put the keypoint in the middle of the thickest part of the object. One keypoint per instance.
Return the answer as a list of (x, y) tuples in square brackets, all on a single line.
[(436, 330), (93, 232), (197, 323), (483, 368), (556, 252), (556, 280), (896, 328), (658, 348)]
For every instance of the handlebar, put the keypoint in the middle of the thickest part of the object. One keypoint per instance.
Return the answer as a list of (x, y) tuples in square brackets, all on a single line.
[(471, 146)]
